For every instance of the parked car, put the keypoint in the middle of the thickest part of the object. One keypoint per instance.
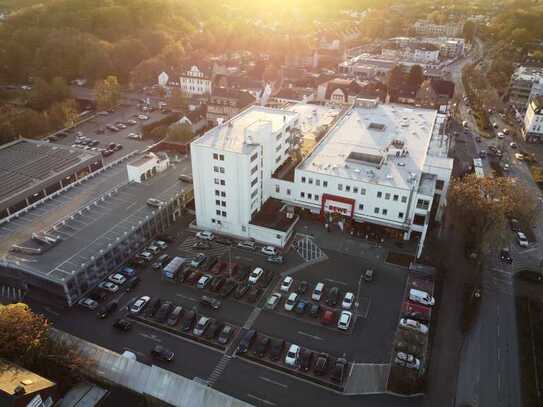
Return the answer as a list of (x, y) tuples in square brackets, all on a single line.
[(140, 304), (333, 297), (210, 302), (198, 260), (522, 240), (203, 282), (105, 310), (218, 267), (277, 346), (302, 287), (225, 334), (321, 364), (348, 301), (164, 311), (269, 251), (201, 326), (188, 321), (122, 324), (344, 321), (255, 275), (154, 307), (108, 286), (161, 353), (505, 256), (328, 317), (217, 283), (193, 277), (273, 300), (275, 259), (247, 339), (292, 356), (287, 283), (88, 303), (117, 278), (291, 301), (338, 370), (300, 307), (317, 292), (247, 244), (413, 325), (368, 275), (213, 330), (161, 262), (407, 360), (514, 224), (314, 310), (421, 297), (205, 235), (262, 346), (173, 319)]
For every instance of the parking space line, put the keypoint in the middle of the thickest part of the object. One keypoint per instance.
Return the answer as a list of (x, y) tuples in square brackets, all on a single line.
[(150, 336), (267, 379), (336, 281), (318, 338), (269, 403), (186, 297)]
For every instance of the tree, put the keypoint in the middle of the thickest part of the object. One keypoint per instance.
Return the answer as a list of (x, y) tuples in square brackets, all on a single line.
[(159, 132), (178, 99), (520, 36), (25, 339), (180, 132), (469, 31), (63, 114), (395, 76), (416, 75), (537, 55), (108, 92)]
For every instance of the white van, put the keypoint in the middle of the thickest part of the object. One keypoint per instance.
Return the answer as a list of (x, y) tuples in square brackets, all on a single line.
[(317, 292), (422, 297)]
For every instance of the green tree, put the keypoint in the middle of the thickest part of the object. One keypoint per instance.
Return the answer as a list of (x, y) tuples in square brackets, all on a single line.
[(159, 132), (469, 31), (63, 114), (520, 36), (146, 72), (42, 95), (178, 99), (416, 75), (180, 132), (108, 92)]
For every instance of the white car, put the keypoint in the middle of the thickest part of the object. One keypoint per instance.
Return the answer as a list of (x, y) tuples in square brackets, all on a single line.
[(348, 300), (134, 136), (519, 156), (88, 303), (204, 235), (291, 358), (160, 244), (273, 300), (500, 135), (317, 292), (140, 304), (344, 321), (269, 251), (291, 301), (203, 282), (287, 283), (255, 275), (407, 360), (413, 325), (143, 117), (117, 278), (522, 240), (109, 286)]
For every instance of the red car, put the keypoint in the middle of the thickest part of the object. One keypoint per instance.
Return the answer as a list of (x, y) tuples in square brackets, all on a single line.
[(328, 317), (193, 277), (218, 267)]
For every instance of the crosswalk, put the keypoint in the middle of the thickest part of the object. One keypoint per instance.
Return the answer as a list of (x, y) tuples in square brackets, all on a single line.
[(185, 248), (307, 248), (11, 294), (219, 370)]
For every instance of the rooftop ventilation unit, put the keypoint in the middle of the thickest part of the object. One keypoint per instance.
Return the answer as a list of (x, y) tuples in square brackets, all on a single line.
[(376, 126)]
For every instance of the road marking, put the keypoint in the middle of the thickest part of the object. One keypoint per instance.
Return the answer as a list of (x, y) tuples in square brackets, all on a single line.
[(499, 381), (336, 281), (499, 330), (266, 379), (269, 403), (153, 337), (318, 338), (498, 354), (527, 250), (186, 297), (131, 205)]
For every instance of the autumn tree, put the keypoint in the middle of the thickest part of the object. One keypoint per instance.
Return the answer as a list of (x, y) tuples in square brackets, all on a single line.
[(63, 114), (178, 99), (416, 76), (108, 92), (26, 339), (180, 132), (396, 76)]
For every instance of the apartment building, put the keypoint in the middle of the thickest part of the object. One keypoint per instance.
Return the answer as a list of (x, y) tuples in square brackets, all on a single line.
[(533, 121), (425, 27), (524, 82)]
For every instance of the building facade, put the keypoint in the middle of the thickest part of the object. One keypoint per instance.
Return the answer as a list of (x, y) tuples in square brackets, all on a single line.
[(533, 121), (524, 84), (195, 82), (425, 27)]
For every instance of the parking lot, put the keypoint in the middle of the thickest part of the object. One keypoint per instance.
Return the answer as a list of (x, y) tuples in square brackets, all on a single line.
[(368, 339)]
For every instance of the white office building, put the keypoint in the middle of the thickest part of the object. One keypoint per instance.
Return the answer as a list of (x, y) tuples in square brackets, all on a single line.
[(384, 165), (194, 82), (533, 120)]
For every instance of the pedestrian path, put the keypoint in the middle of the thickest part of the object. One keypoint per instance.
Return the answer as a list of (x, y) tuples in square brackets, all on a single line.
[(219, 370), (307, 248), (185, 248)]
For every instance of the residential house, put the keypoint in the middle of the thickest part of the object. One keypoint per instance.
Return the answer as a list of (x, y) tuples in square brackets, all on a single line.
[(345, 91), (225, 103), (195, 118)]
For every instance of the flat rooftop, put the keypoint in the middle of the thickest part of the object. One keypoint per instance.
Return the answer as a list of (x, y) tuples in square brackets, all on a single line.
[(230, 136), (84, 233), (528, 73), (385, 144), (27, 163)]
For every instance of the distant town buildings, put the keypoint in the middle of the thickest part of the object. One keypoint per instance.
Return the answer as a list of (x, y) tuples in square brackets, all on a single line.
[(425, 27), (533, 121), (520, 88), (195, 82)]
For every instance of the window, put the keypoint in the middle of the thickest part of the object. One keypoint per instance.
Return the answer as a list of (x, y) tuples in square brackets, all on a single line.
[(423, 204), (340, 187), (244, 228), (387, 196), (318, 182), (277, 188), (212, 220), (324, 184), (217, 202), (254, 169), (379, 194), (278, 159), (309, 196), (255, 193), (362, 191), (215, 156), (400, 215), (303, 180), (440, 184), (385, 211), (348, 188), (376, 210), (302, 194), (221, 157), (215, 168), (278, 148), (395, 197), (310, 181), (316, 197), (404, 199), (361, 207), (355, 190), (218, 212), (216, 181), (224, 214), (288, 192), (419, 220), (254, 157), (279, 136), (223, 203), (223, 194), (254, 182), (221, 169), (223, 182), (217, 193)]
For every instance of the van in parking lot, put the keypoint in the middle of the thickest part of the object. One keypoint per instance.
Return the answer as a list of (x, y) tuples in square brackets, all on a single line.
[(422, 297), (317, 292)]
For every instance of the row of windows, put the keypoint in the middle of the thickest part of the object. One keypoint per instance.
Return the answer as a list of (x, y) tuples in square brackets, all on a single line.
[(219, 157), (220, 182), (220, 193), (309, 196), (220, 213), (317, 182), (423, 204), (218, 169), (216, 221), (220, 203)]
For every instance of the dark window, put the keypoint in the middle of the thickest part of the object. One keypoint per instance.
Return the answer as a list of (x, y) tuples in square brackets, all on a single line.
[(419, 220)]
